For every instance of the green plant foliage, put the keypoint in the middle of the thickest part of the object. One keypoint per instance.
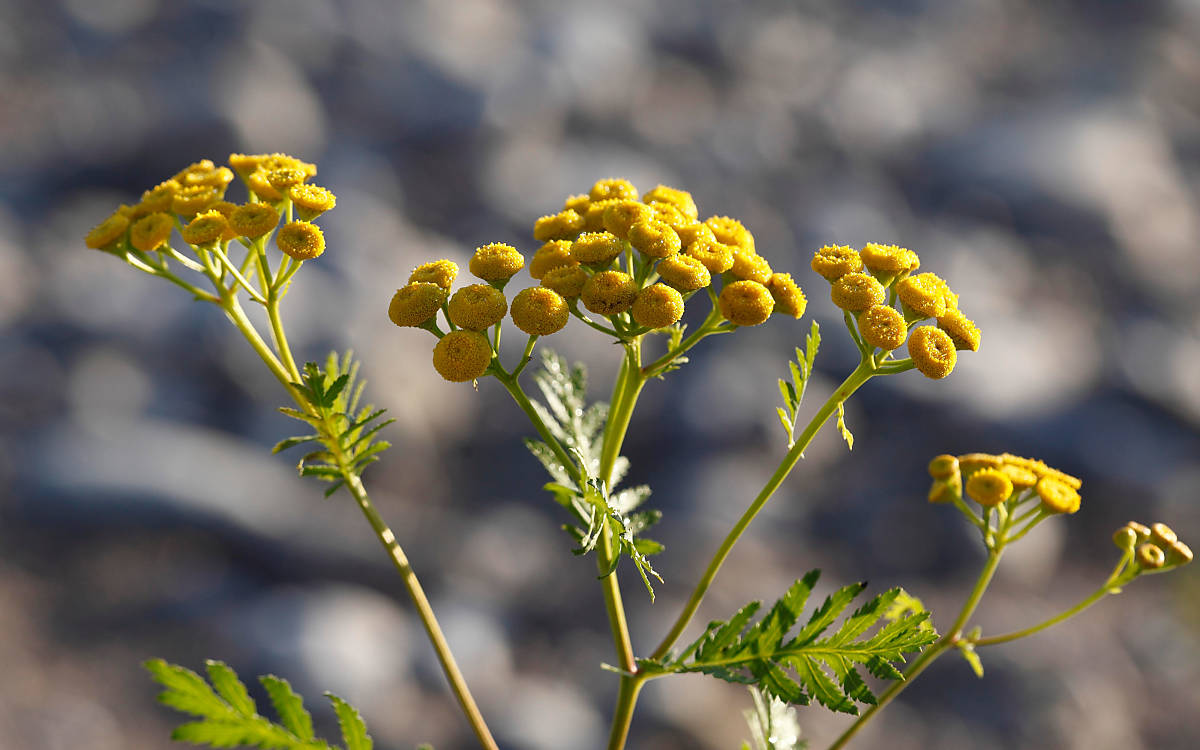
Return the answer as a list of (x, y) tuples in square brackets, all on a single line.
[(807, 665), (793, 392), (346, 433), (228, 716), (578, 427)]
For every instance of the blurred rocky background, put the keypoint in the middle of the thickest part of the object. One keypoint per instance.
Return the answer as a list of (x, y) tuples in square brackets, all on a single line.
[(1044, 157)]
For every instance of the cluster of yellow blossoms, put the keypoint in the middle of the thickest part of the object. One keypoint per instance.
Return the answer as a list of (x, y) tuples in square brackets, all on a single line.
[(193, 201), (991, 480), (580, 261), (1155, 549), (867, 284)]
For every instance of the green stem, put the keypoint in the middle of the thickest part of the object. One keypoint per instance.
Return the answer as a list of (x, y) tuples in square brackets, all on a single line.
[(453, 675), (709, 326), (927, 657), (1118, 578), (628, 385), (852, 383), (514, 389)]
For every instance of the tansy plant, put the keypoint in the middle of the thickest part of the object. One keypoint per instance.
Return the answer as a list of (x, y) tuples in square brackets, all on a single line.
[(625, 264)]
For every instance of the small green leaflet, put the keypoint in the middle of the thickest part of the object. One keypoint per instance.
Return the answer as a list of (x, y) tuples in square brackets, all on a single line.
[(793, 392), (578, 428), (346, 433), (228, 716), (966, 647), (813, 663)]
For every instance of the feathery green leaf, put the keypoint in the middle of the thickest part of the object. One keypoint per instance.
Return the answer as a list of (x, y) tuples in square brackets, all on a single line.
[(814, 663)]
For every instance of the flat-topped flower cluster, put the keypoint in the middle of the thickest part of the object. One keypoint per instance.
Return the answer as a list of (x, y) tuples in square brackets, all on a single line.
[(193, 201), (868, 283), (632, 260)]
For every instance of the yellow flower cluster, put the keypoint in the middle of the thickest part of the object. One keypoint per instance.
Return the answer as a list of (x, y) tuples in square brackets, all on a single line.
[(632, 260), (990, 480), (868, 283), (677, 254), (193, 200), (1155, 549)]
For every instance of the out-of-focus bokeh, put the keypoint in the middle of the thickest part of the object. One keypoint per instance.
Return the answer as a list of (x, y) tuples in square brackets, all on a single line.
[(1043, 157)]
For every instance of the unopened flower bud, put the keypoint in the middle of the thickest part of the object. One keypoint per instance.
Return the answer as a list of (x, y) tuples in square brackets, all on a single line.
[(657, 306), (1150, 557), (1143, 532), (560, 226), (301, 240), (1125, 538), (613, 188), (416, 303), (1162, 535), (1178, 553), (835, 261), (943, 466), (609, 292), (539, 311), (857, 291), (1056, 496), (477, 307)]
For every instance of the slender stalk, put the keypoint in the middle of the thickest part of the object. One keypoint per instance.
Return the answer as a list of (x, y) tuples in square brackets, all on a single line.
[(929, 655), (852, 383), (457, 683), (628, 385), (1089, 601)]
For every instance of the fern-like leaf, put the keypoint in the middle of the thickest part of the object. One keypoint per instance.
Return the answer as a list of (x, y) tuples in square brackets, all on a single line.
[(814, 663), (793, 392), (228, 716), (347, 434), (578, 426)]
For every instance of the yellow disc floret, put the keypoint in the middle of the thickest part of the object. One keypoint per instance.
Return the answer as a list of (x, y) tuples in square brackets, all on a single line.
[(560, 226), (550, 255), (684, 272), (596, 248), (440, 272), (566, 280), (789, 299), (151, 232), (889, 259), (107, 232), (989, 487), (1056, 496), (653, 238), (253, 219), (716, 257), (158, 198), (613, 188), (619, 217), (749, 265), (539, 311), (259, 185), (460, 356), (285, 178), (882, 326), (835, 261), (496, 262), (932, 352), (669, 215), (206, 228), (1021, 477), (609, 292), (657, 306), (730, 232), (964, 333), (477, 307), (746, 303), (301, 240), (689, 234), (857, 291), (924, 293), (577, 203), (194, 199), (416, 303), (311, 200), (680, 199)]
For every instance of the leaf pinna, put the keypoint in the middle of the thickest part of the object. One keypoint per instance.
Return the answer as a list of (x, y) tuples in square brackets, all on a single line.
[(808, 665), (346, 432), (578, 426), (228, 716)]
